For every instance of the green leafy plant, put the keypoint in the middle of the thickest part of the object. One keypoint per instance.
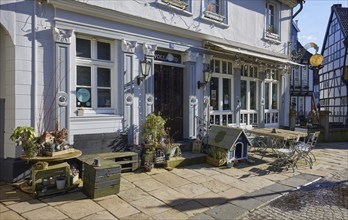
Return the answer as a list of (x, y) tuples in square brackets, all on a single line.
[(153, 130), (217, 153), (25, 137)]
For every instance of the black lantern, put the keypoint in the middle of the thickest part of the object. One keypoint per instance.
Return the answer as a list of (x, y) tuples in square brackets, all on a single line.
[(207, 73), (145, 66)]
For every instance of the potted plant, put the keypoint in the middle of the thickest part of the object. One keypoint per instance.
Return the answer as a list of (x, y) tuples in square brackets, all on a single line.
[(25, 137), (216, 156), (153, 134)]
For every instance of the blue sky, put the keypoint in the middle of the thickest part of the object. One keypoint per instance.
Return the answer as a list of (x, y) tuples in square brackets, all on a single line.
[(313, 20)]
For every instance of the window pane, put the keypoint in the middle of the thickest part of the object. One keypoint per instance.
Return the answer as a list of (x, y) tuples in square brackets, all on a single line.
[(267, 96), (274, 96), (83, 48), (103, 51), (103, 77), (214, 93), (104, 98), (227, 95), (83, 97), (83, 76), (243, 92), (252, 95)]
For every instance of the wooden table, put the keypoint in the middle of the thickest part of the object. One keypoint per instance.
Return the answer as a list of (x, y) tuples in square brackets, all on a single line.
[(57, 158), (59, 168), (281, 134)]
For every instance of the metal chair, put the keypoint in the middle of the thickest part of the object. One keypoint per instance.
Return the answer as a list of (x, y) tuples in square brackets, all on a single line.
[(304, 149)]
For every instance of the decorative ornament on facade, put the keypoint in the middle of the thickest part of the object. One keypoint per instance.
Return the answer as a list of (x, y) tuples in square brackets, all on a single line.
[(149, 99), (128, 99), (62, 99), (149, 49), (62, 35), (193, 100), (129, 46), (297, 55), (207, 58), (190, 57)]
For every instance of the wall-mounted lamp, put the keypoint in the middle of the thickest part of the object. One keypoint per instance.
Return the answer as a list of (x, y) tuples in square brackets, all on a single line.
[(145, 66), (207, 73)]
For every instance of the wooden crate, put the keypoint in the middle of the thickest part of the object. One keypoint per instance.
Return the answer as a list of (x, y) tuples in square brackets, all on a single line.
[(103, 180)]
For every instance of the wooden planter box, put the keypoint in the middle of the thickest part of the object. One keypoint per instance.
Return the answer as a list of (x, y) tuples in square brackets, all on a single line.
[(215, 162)]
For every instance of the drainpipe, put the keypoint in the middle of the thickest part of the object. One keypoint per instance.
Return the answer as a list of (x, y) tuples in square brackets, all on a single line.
[(300, 9), (34, 69)]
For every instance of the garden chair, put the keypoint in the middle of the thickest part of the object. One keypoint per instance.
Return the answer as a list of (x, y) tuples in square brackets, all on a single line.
[(304, 149)]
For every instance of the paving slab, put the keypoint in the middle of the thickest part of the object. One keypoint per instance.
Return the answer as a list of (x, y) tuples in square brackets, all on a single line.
[(200, 178), (280, 188), (185, 172), (216, 186), (191, 208), (247, 202), (170, 179), (10, 195), (170, 215), (105, 215), (138, 216), (26, 206), (135, 177), (192, 189), (210, 199), (61, 199), (169, 196), (148, 184), (263, 195), (232, 193), (125, 184), (44, 213), (79, 209), (227, 211), (294, 182), (150, 205), (10, 215), (132, 194), (118, 207), (202, 216), (3, 208)]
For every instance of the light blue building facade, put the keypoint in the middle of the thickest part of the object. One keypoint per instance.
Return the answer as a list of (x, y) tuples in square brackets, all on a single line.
[(79, 63)]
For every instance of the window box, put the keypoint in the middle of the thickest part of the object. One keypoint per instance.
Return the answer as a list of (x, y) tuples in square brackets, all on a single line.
[(176, 3), (214, 16)]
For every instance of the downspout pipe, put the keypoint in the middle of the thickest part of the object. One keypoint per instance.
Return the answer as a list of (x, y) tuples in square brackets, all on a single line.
[(300, 9)]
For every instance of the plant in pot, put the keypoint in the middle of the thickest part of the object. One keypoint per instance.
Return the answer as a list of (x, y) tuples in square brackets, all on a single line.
[(153, 134), (25, 137), (216, 156)]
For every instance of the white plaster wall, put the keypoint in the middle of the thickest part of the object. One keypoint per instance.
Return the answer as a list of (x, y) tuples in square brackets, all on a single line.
[(7, 90), (245, 20)]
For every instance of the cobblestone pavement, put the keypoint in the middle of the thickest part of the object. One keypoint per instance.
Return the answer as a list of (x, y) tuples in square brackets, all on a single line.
[(325, 199)]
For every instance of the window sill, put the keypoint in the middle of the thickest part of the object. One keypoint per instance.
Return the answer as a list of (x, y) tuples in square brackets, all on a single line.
[(171, 5), (214, 16), (209, 20), (272, 37)]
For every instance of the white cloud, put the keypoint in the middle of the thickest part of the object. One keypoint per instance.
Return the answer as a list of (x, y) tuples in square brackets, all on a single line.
[(308, 38)]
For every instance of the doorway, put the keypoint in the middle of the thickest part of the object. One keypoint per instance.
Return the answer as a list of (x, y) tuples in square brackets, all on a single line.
[(168, 93)]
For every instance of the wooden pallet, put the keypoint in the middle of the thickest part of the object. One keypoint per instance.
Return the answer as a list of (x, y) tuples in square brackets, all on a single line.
[(127, 160)]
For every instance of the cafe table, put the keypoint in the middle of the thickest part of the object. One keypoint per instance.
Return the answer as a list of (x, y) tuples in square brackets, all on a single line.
[(278, 139)]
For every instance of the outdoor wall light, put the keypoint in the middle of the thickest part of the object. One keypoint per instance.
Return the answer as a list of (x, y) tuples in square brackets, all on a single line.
[(207, 73), (145, 66)]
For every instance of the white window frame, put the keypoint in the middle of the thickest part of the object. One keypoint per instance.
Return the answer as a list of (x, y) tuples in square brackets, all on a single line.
[(210, 13), (183, 7), (273, 114), (94, 63), (221, 75), (272, 30), (251, 76)]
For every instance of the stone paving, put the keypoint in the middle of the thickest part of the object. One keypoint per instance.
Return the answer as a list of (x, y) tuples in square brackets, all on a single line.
[(193, 192)]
